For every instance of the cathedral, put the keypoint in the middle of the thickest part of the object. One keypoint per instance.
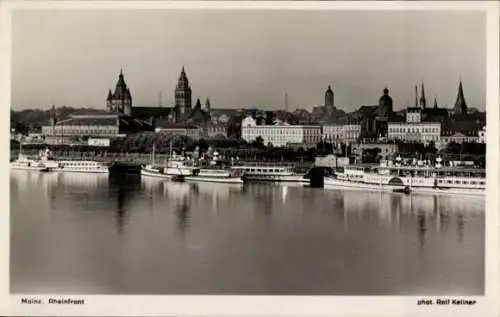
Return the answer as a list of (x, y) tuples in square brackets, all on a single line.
[(121, 100)]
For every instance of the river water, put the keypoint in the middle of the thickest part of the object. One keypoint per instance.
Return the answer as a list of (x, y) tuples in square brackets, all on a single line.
[(120, 234)]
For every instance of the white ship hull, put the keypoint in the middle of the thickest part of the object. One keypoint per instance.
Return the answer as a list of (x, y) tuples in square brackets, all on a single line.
[(340, 184), (179, 171), (410, 179), (90, 167), (331, 183), (83, 170), (154, 173), (276, 178), (232, 180), (23, 167)]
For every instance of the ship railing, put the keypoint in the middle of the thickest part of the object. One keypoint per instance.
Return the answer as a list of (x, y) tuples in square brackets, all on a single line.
[(266, 164)]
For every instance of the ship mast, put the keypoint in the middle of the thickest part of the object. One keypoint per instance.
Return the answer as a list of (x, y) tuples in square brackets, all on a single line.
[(153, 155)]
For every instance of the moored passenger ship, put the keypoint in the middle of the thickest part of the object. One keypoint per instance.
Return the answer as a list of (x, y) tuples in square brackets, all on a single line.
[(29, 164), (82, 166), (419, 179), (216, 175), (271, 173), (74, 166)]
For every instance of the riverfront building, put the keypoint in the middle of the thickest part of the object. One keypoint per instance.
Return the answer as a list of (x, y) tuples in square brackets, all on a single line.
[(97, 125), (281, 135), (347, 132), (417, 127)]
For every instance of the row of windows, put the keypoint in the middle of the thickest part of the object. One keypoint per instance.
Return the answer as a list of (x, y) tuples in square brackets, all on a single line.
[(463, 182), (80, 164), (87, 132), (414, 130), (330, 130), (341, 135), (422, 137), (281, 132)]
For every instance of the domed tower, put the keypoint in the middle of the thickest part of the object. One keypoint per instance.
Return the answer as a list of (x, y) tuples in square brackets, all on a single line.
[(182, 94), (385, 104), (329, 101), (121, 99)]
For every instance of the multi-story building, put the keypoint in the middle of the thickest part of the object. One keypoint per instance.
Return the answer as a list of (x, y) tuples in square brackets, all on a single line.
[(98, 125), (211, 130), (460, 138), (424, 132), (281, 135), (333, 132), (414, 129), (342, 132)]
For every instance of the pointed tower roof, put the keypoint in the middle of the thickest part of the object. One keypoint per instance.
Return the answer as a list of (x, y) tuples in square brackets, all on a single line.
[(460, 104), (435, 103), (460, 95), (423, 101), (110, 95), (198, 104), (183, 81), (121, 90)]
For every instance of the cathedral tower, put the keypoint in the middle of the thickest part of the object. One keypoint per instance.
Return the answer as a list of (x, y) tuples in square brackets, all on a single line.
[(182, 95), (121, 99)]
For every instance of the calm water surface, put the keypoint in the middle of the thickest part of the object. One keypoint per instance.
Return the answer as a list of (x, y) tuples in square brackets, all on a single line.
[(122, 234)]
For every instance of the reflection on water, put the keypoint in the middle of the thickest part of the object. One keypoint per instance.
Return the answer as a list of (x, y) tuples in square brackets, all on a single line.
[(127, 234)]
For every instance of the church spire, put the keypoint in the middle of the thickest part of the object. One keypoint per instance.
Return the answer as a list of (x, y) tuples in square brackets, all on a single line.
[(460, 104), (207, 104), (416, 97), (198, 104), (435, 103), (423, 101)]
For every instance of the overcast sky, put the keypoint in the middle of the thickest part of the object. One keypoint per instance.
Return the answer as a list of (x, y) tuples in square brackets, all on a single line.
[(244, 58)]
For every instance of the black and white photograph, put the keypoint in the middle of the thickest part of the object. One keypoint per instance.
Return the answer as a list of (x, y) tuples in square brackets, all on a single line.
[(226, 151)]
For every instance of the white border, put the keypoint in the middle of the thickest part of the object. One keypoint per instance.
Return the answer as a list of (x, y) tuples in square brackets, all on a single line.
[(268, 305)]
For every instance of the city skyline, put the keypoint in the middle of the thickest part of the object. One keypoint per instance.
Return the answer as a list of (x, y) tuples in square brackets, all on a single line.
[(247, 67)]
